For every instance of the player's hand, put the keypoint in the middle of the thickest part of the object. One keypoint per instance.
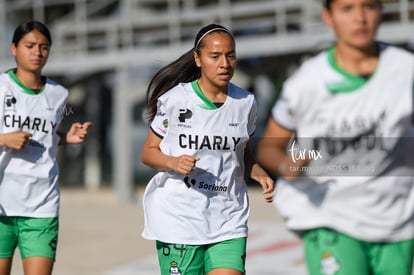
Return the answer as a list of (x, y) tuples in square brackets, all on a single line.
[(78, 132), (268, 186), (15, 140), (184, 164), (267, 183)]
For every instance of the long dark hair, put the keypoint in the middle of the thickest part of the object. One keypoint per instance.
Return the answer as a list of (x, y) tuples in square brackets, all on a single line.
[(183, 69), (29, 26)]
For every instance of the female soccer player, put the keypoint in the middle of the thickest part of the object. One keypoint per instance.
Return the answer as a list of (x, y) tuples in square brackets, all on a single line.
[(345, 180), (32, 107), (196, 206)]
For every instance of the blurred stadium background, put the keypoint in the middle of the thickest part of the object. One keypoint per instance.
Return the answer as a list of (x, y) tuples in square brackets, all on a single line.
[(105, 51)]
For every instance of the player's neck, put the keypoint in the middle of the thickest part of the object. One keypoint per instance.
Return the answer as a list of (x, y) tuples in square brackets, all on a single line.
[(29, 79), (357, 61), (213, 93)]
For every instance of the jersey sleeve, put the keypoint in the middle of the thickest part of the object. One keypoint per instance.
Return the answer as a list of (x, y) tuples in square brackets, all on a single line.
[(283, 112), (251, 126), (160, 123)]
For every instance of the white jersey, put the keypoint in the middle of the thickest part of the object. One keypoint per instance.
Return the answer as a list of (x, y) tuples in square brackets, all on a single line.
[(358, 134), (29, 177), (211, 204)]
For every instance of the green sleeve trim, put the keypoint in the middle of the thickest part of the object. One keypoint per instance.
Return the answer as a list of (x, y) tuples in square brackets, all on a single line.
[(207, 104), (27, 90)]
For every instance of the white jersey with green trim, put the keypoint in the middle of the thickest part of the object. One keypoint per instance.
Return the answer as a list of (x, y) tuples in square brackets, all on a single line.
[(211, 204), (29, 177), (358, 134)]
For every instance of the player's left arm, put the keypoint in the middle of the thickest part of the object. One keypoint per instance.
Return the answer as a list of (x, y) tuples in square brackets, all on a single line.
[(76, 134), (257, 173)]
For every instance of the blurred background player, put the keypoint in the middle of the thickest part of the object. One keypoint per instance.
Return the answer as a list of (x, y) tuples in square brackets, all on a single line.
[(339, 139)]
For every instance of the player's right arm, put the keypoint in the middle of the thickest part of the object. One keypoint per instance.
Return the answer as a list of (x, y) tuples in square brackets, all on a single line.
[(15, 140), (152, 156)]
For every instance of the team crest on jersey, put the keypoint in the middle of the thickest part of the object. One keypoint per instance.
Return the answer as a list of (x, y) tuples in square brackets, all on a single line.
[(329, 264), (174, 270), (9, 102), (165, 123)]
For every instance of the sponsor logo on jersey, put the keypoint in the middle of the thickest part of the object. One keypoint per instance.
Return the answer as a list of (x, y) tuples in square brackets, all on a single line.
[(184, 118), (28, 123), (184, 115), (215, 143), (201, 184), (160, 113), (9, 102), (35, 143)]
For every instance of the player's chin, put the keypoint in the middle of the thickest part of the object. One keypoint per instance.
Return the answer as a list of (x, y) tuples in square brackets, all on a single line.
[(36, 68)]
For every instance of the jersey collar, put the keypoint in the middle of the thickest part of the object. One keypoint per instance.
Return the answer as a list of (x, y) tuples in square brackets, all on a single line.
[(27, 90)]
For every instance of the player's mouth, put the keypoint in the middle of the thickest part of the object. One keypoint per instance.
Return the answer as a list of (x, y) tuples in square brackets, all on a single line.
[(36, 61), (361, 32), (225, 76)]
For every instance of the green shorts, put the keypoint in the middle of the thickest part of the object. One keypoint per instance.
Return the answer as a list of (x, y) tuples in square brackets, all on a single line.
[(35, 237), (201, 259), (330, 252)]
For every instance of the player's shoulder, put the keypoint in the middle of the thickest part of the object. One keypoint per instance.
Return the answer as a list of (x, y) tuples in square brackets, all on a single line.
[(174, 93), (55, 86), (309, 71), (53, 83), (5, 82), (239, 93), (394, 51), (239, 90), (4, 77)]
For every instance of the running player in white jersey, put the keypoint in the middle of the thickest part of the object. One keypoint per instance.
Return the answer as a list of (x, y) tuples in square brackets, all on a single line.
[(346, 180), (32, 107), (196, 206)]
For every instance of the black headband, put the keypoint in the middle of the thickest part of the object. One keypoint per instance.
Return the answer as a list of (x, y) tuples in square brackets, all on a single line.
[(206, 30)]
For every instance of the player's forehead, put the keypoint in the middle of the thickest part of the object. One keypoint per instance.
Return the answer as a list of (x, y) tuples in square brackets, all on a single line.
[(328, 3), (35, 37), (218, 42)]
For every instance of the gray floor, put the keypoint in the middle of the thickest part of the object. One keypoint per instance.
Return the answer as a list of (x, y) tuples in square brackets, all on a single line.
[(101, 236)]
